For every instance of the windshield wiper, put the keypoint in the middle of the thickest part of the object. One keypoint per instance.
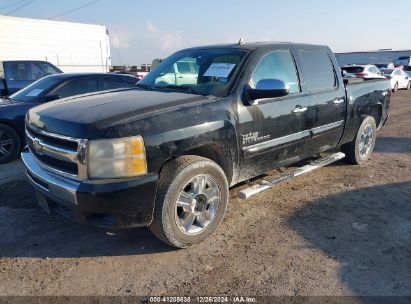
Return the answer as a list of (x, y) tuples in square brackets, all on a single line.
[(186, 89)]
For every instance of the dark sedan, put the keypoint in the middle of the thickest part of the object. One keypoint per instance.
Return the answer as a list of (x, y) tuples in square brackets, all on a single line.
[(14, 108)]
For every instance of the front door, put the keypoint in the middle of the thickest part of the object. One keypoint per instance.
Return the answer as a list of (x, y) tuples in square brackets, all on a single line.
[(274, 131)]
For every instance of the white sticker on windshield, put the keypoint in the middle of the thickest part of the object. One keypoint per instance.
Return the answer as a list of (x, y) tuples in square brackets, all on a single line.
[(34, 92), (221, 70)]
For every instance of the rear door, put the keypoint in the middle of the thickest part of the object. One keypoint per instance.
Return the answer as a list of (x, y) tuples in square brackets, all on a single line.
[(327, 102), (17, 75)]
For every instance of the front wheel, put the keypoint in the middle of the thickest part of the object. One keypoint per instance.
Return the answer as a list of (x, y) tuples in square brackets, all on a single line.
[(359, 150), (408, 86), (191, 201)]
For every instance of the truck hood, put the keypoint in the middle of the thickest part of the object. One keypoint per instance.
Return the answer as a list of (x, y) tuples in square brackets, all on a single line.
[(90, 116)]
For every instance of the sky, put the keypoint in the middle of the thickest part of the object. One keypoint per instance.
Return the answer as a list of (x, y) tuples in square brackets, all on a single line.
[(141, 30)]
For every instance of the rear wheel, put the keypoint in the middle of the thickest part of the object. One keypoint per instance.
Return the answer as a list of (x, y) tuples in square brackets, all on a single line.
[(191, 201), (408, 85), (9, 144), (359, 150)]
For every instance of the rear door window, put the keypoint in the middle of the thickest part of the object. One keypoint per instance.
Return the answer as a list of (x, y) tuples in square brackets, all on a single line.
[(16, 71), (277, 65), (111, 83), (77, 87), (318, 70)]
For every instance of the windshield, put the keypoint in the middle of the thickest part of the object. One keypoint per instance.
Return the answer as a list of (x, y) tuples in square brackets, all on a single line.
[(353, 69), (34, 91), (204, 72)]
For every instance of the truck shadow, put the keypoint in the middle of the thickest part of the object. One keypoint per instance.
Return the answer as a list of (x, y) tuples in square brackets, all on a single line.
[(393, 145), (368, 232), (27, 231)]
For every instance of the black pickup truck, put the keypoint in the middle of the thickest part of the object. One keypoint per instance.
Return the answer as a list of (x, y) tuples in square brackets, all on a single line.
[(164, 154)]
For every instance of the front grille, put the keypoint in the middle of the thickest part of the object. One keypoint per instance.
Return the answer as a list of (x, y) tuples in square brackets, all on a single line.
[(55, 152), (71, 145), (61, 165)]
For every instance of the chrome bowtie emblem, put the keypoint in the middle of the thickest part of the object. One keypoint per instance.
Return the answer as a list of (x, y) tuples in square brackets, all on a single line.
[(37, 146)]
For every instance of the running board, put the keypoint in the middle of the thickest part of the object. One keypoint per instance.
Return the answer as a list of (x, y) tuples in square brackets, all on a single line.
[(267, 184)]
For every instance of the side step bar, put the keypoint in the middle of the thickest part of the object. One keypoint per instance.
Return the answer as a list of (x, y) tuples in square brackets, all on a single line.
[(267, 184)]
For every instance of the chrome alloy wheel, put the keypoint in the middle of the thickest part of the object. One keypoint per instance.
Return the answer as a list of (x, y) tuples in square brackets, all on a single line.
[(366, 141), (6, 144), (197, 204)]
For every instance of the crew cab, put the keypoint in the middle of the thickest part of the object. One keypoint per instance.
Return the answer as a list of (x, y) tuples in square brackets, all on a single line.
[(164, 155), (15, 75)]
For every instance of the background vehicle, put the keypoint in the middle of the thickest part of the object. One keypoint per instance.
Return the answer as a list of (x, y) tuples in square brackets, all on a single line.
[(72, 47), (399, 79), (408, 70), (403, 60), (389, 65), (184, 72), (14, 108), (15, 75), (164, 156), (364, 71)]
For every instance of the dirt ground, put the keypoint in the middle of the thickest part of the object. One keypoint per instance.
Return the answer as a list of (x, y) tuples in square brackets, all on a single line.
[(342, 230)]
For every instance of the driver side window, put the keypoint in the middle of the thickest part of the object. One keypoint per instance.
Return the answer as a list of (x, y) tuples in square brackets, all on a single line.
[(277, 65)]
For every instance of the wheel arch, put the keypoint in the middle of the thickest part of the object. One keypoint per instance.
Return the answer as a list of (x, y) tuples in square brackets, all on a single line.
[(219, 154)]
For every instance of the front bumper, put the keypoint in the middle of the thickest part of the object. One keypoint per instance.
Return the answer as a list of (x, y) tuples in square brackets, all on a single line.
[(106, 203)]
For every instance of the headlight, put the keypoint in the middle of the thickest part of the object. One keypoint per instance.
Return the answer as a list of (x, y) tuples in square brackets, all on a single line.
[(115, 158)]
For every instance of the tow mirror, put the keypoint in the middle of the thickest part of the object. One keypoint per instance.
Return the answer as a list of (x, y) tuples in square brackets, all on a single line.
[(268, 88), (51, 97)]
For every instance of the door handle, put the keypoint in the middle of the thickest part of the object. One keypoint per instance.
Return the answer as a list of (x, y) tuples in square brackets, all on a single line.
[(180, 77), (299, 109), (338, 101)]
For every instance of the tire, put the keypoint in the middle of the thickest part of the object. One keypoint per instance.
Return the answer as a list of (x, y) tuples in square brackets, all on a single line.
[(395, 89), (182, 177), (9, 144), (359, 150), (408, 87)]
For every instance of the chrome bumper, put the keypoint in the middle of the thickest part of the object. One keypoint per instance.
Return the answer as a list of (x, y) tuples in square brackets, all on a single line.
[(49, 184)]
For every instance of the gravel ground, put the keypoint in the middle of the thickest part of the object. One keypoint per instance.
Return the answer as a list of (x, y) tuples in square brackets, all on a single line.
[(342, 230)]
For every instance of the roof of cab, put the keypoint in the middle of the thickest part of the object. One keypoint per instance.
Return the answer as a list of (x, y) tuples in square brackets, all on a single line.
[(251, 45)]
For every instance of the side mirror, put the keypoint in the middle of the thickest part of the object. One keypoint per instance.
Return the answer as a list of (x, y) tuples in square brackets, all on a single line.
[(268, 88), (51, 97)]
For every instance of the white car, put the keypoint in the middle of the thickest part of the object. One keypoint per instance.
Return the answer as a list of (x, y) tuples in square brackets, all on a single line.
[(368, 71), (399, 79)]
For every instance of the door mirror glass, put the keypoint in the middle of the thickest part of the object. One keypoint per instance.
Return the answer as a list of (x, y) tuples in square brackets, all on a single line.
[(51, 97), (268, 88)]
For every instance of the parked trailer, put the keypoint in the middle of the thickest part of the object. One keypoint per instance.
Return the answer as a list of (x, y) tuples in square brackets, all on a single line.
[(73, 47)]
